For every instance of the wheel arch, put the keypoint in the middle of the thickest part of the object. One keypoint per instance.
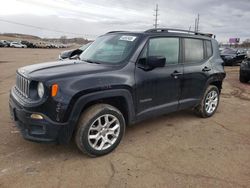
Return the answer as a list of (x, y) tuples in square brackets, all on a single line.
[(119, 98), (217, 83), (216, 80)]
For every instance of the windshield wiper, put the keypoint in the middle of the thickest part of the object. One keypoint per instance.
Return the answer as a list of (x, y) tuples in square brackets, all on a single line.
[(91, 61)]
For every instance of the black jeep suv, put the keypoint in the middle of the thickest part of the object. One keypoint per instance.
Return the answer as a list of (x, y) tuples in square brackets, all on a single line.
[(122, 78)]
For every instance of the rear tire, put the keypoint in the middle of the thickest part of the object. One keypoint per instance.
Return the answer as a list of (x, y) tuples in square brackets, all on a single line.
[(99, 130), (209, 103)]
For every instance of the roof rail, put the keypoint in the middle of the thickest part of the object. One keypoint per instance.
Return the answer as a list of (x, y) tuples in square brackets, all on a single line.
[(115, 32), (167, 30)]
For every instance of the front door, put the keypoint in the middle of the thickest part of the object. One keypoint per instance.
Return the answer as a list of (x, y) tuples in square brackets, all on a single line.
[(158, 89)]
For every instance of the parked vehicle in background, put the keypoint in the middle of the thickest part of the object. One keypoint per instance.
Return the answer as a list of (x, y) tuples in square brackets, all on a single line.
[(6, 43), (41, 45), (53, 46), (122, 78), (28, 44), (17, 45), (221, 49), (2, 44), (232, 56), (75, 53), (245, 69)]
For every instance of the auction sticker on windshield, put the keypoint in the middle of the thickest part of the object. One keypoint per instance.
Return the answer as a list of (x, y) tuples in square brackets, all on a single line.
[(128, 38)]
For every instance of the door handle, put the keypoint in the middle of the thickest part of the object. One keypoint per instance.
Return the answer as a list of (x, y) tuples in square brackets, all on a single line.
[(175, 74), (206, 69)]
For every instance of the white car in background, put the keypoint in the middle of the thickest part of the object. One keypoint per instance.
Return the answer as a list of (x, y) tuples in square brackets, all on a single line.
[(17, 45)]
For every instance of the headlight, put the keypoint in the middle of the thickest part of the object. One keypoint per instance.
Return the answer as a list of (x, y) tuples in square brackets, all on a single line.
[(40, 89)]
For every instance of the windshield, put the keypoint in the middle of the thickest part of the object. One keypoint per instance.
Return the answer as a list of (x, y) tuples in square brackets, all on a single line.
[(110, 49), (84, 47), (228, 51)]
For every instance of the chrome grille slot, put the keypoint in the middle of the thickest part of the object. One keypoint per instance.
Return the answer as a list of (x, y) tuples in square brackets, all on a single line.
[(22, 85)]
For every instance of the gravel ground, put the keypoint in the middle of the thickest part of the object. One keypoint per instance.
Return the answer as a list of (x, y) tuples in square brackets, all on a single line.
[(174, 150)]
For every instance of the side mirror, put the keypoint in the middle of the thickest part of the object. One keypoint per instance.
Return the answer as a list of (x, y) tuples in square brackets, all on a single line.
[(156, 61)]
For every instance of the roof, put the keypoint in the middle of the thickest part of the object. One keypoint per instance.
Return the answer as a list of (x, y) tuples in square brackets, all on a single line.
[(159, 31)]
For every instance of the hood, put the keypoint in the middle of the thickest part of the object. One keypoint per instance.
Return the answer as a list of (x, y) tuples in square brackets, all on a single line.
[(57, 69)]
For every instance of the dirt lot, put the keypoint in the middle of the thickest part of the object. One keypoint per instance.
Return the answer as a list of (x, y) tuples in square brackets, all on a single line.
[(175, 150)]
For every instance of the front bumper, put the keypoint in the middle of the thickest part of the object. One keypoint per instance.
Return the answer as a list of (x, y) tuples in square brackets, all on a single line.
[(44, 130)]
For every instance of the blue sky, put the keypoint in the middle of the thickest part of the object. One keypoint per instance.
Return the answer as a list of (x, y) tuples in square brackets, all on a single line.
[(90, 18)]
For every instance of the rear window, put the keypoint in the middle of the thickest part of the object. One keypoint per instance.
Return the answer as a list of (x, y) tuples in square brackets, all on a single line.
[(194, 50), (228, 51)]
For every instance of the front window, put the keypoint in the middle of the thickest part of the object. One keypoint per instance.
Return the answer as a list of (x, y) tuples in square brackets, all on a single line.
[(165, 47), (110, 49)]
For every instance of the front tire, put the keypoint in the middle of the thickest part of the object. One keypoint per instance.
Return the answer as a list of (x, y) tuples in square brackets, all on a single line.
[(209, 102), (99, 130)]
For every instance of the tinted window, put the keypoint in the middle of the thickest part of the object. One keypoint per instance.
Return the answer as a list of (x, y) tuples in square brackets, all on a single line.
[(228, 51), (84, 47), (209, 48), (166, 47), (194, 50)]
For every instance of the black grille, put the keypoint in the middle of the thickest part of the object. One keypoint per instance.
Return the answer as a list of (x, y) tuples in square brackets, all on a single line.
[(23, 85)]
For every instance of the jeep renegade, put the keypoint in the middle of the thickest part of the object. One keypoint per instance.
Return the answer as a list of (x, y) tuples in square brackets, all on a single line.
[(122, 78)]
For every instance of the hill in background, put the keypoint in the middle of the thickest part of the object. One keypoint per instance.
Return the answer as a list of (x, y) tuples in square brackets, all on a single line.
[(32, 38)]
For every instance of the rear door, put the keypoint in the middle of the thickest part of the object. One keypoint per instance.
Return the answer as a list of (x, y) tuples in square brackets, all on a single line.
[(197, 68), (158, 90)]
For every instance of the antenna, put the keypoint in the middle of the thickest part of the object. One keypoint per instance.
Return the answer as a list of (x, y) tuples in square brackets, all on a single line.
[(156, 16)]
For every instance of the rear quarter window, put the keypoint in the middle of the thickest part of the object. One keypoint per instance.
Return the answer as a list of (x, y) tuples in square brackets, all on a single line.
[(193, 50), (209, 48)]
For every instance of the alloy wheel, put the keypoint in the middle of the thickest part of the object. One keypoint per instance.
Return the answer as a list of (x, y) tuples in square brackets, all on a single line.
[(103, 132), (211, 102)]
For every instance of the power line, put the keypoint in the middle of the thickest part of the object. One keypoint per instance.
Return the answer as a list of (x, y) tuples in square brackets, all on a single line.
[(43, 28), (156, 16)]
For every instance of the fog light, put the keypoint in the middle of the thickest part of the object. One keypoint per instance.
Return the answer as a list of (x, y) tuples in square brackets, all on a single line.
[(36, 116)]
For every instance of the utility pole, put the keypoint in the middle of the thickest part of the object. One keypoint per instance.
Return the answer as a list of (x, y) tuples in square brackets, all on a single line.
[(156, 16), (196, 23)]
